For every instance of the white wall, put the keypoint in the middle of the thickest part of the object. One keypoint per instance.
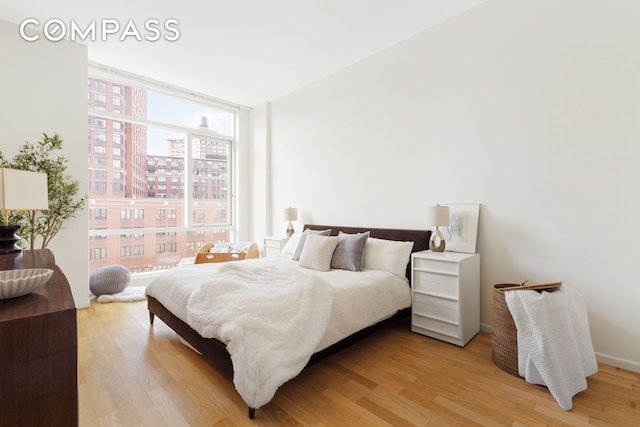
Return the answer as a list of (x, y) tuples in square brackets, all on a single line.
[(43, 87), (530, 108)]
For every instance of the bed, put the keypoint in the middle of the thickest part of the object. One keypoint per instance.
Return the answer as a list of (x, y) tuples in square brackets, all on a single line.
[(313, 306)]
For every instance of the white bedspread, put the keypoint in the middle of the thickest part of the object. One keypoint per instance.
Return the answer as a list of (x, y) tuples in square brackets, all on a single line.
[(554, 343), (271, 319), (360, 299)]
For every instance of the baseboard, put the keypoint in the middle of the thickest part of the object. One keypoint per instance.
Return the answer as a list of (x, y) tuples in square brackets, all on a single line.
[(486, 328), (618, 362)]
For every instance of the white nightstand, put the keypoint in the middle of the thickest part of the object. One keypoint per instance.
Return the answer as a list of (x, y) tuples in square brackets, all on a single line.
[(274, 245), (446, 295)]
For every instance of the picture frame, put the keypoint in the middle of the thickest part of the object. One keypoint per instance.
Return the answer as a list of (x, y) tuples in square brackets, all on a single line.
[(461, 233)]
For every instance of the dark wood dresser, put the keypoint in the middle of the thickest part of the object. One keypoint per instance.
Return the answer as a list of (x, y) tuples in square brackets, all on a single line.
[(38, 349)]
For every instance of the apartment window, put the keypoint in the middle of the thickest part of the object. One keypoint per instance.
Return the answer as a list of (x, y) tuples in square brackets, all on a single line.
[(100, 136), (99, 213), (100, 174), (100, 253), (144, 148), (125, 251), (191, 246)]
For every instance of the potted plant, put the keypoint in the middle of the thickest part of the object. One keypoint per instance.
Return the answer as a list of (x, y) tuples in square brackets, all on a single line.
[(62, 190)]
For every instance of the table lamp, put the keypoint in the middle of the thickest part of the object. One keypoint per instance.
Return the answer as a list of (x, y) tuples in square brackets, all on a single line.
[(19, 191), (437, 215), (290, 214)]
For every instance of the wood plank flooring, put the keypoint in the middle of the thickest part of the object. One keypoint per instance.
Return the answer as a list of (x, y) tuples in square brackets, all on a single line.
[(133, 374)]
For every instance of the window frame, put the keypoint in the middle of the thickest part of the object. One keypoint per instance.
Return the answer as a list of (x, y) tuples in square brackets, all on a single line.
[(122, 79)]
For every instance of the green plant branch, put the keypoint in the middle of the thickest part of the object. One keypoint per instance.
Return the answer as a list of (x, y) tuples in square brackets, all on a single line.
[(62, 190)]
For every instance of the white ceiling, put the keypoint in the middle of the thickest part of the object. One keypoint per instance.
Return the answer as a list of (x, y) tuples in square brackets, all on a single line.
[(244, 51)]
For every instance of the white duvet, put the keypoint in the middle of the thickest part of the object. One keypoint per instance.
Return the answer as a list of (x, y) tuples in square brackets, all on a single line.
[(273, 315)]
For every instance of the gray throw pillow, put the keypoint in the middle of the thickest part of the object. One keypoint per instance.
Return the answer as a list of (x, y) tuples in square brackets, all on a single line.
[(296, 254), (349, 253)]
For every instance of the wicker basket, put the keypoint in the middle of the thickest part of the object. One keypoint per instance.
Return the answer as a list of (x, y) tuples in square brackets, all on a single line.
[(505, 335)]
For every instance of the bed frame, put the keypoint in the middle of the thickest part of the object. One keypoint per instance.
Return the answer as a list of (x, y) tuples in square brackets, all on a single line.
[(215, 352)]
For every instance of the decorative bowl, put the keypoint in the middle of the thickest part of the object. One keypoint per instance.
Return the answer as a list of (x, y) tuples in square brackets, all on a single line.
[(15, 283)]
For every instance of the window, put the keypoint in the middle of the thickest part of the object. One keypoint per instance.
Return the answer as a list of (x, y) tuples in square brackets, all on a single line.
[(100, 136), (100, 253), (146, 139), (99, 213)]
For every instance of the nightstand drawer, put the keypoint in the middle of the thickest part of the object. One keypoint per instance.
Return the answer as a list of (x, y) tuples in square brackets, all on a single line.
[(433, 300), (438, 267), (435, 325), (436, 312), (447, 286)]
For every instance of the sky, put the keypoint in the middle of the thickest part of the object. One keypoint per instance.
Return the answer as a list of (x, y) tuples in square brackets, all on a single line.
[(163, 108)]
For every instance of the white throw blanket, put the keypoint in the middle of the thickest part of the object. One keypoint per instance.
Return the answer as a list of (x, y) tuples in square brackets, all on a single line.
[(554, 343), (271, 320)]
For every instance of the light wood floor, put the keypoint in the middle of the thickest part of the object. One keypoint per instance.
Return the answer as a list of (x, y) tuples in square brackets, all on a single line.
[(132, 374)]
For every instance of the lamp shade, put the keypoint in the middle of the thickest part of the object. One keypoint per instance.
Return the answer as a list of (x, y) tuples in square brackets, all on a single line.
[(23, 190), (437, 215), (290, 214)]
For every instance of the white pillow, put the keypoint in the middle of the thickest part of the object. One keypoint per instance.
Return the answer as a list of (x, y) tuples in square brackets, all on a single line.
[(292, 243), (387, 255), (318, 251), (303, 238)]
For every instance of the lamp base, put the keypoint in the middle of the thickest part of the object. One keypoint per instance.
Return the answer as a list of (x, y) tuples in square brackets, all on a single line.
[(290, 229), (436, 243), (9, 239)]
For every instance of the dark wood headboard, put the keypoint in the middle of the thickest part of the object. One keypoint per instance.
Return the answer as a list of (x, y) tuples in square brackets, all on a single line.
[(420, 238)]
